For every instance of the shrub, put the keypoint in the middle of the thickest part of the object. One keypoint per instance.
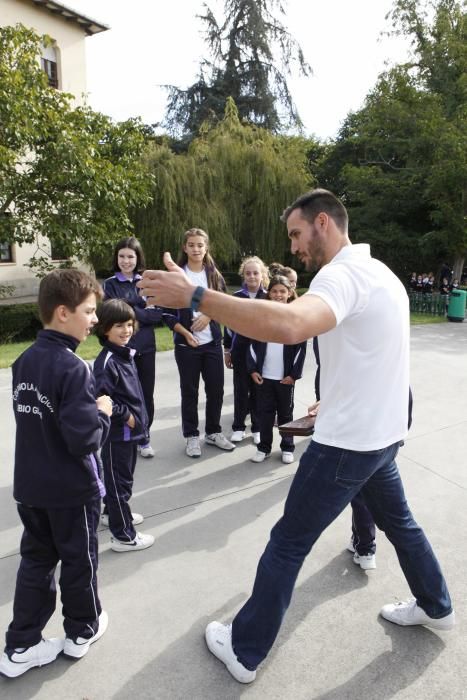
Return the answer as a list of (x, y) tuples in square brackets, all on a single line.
[(19, 322)]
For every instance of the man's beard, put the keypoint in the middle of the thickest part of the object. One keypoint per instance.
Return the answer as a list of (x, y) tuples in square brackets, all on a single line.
[(315, 259)]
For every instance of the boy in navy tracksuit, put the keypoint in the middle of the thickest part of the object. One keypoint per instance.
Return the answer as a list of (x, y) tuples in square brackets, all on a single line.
[(275, 369), (116, 375), (59, 428)]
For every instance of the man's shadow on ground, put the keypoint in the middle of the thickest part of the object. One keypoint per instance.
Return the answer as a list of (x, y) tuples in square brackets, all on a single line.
[(189, 670)]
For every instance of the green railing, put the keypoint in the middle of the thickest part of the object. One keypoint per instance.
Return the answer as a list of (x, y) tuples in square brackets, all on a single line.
[(434, 304)]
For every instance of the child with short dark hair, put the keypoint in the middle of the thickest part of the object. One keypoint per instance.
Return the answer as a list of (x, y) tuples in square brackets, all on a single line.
[(116, 375), (275, 368), (56, 480)]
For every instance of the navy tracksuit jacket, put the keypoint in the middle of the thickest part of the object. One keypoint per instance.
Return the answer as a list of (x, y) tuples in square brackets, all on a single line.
[(244, 386), (274, 397), (116, 375)]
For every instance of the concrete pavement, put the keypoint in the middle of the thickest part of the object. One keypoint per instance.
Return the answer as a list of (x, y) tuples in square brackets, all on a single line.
[(211, 518)]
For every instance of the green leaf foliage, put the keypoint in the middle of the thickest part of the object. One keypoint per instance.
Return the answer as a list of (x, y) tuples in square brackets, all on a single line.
[(400, 162), (66, 173), (234, 182)]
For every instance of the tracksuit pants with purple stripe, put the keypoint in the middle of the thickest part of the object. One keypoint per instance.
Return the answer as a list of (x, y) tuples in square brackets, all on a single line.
[(119, 461), (244, 392), (68, 535)]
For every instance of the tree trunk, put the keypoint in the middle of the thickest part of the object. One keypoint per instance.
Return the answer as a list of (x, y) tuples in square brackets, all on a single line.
[(458, 267)]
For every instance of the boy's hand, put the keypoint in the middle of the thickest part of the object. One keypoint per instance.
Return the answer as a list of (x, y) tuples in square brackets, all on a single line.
[(257, 378), (131, 422), (228, 359), (288, 380), (104, 404), (313, 409)]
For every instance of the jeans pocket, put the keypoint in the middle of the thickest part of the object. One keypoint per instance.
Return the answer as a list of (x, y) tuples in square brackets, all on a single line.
[(355, 468)]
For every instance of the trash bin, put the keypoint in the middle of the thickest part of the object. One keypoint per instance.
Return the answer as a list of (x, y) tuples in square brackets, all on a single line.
[(456, 308)]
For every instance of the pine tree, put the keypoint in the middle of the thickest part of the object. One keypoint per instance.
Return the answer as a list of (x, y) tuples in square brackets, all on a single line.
[(252, 54)]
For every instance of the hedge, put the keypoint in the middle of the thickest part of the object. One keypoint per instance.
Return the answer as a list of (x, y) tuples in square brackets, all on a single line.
[(19, 322)]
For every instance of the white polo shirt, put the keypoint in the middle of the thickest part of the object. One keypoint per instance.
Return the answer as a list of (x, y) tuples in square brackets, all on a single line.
[(364, 380)]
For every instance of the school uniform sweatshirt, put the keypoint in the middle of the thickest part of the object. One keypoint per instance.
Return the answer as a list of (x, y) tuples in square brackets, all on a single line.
[(116, 375), (119, 287), (234, 341), (58, 426)]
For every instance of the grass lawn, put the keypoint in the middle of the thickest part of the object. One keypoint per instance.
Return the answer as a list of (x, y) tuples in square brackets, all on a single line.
[(87, 350), (417, 319)]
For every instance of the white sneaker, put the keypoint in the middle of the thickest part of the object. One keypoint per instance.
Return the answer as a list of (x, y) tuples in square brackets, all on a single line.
[(287, 457), (77, 648), (147, 451), (259, 456), (137, 519), (140, 542), (409, 613), (219, 640), (15, 662), (219, 440), (256, 438), (350, 546), (238, 436), (192, 447), (365, 561)]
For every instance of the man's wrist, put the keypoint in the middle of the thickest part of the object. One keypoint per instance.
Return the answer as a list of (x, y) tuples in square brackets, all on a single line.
[(196, 298)]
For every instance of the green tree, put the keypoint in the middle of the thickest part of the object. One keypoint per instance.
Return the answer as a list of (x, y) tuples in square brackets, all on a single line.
[(400, 162), (234, 182), (66, 173), (252, 54)]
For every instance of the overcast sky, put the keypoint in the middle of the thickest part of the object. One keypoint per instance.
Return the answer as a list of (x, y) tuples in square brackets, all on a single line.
[(150, 44)]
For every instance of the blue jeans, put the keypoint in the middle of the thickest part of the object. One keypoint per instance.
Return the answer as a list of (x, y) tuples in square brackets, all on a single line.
[(326, 481)]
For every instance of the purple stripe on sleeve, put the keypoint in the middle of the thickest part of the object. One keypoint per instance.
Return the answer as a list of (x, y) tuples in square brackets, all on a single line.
[(96, 473)]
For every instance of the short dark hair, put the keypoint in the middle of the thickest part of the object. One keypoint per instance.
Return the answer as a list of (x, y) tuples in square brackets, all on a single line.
[(111, 312), (68, 287), (133, 244), (315, 201), (279, 279)]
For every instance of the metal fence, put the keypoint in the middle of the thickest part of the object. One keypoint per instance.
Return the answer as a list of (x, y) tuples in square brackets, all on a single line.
[(434, 304)]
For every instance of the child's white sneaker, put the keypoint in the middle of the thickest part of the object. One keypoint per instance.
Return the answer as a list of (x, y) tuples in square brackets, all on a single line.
[(365, 561), (146, 451), (219, 440), (15, 662), (77, 648), (140, 542), (287, 457), (259, 456), (256, 438), (192, 447), (237, 436), (137, 519)]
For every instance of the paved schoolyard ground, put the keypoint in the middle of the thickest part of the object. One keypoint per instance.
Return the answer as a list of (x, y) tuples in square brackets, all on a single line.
[(211, 519)]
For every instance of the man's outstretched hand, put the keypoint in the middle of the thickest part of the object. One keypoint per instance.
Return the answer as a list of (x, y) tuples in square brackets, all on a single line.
[(172, 289)]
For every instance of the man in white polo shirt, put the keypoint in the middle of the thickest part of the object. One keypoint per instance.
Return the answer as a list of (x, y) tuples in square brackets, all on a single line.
[(359, 309)]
